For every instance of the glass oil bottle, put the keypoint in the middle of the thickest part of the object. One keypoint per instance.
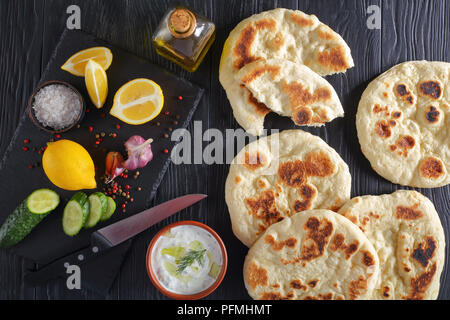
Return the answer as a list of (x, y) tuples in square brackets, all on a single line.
[(184, 37)]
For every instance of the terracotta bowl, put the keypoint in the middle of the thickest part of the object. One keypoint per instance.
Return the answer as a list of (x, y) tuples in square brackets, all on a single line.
[(178, 296), (49, 129)]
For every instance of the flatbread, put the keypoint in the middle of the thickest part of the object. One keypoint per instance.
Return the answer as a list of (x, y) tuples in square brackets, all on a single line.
[(403, 123), (315, 254), (407, 234), (279, 175), (282, 34), (293, 90)]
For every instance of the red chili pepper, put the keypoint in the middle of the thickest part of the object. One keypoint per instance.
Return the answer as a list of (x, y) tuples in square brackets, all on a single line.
[(91, 128), (166, 151), (125, 176), (166, 113), (127, 187), (117, 126), (180, 98), (25, 148), (58, 136), (26, 141), (123, 205)]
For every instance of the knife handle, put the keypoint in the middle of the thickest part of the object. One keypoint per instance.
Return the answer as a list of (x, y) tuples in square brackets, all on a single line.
[(59, 267)]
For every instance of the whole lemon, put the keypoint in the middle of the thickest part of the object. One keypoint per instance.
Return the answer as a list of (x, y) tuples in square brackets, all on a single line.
[(69, 166)]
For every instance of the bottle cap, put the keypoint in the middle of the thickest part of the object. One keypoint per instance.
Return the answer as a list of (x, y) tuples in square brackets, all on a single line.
[(181, 23)]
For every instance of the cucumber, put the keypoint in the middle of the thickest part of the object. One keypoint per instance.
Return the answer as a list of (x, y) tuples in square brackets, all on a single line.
[(110, 210), (98, 206), (75, 214), (27, 216)]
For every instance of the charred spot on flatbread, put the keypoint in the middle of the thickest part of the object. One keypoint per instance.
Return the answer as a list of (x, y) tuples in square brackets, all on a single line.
[(326, 35), (302, 116), (408, 213), (317, 237), (386, 290), (279, 245), (257, 276), (313, 283), (308, 193), (301, 20), (424, 251), (377, 108), (396, 114), (269, 24), (420, 284), (382, 129), (257, 72), (338, 243), (292, 173), (430, 89), (254, 161), (368, 259), (402, 92), (264, 208), (431, 168), (259, 107), (432, 114), (242, 49), (277, 296), (405, 143), (301, 98), (334, 59), (297, 285), (319, 164), (357, 287), (320, 296)]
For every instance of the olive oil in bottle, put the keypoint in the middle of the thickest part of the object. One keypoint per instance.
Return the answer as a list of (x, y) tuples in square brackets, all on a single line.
[(184, 37)]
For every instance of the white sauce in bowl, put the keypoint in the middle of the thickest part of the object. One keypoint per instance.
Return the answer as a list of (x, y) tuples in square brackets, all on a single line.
[(172, 248)]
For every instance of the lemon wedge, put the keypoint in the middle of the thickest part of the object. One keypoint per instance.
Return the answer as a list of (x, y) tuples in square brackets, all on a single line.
[(96, 83), (138, 101), (76, 64)]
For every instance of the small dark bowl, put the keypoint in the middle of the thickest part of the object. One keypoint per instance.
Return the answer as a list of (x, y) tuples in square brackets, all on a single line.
[(49, 129)]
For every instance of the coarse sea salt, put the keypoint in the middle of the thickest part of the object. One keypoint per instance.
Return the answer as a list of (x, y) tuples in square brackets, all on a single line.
[(56, 106)]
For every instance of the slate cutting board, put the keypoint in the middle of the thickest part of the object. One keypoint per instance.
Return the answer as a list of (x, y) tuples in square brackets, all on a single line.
[(47, 241)]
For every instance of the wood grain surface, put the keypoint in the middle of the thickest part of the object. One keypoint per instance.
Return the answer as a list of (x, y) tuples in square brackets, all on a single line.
[(29, 31)]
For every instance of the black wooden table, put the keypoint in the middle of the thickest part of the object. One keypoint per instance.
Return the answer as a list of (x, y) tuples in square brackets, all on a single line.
[(29, 31)]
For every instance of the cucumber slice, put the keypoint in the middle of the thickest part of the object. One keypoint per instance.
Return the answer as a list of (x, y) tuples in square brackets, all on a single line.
[(110, 210), (75, 214), (98, 206), (42, 201)]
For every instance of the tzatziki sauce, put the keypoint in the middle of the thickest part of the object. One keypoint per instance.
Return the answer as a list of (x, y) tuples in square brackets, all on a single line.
[(187, 259)]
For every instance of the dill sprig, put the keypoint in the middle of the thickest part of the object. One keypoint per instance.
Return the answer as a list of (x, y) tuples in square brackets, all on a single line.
[(189, 258)]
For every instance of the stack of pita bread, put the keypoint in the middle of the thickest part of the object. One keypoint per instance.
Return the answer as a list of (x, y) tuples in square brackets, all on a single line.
[(288, 194), (273, 61)]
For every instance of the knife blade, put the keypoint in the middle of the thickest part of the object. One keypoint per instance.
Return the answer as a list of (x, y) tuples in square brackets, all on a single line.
[(112, 235)]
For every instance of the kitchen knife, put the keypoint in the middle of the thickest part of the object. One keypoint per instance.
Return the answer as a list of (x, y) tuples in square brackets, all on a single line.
[(112, 235)]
